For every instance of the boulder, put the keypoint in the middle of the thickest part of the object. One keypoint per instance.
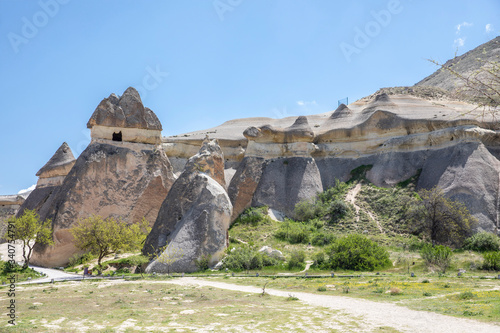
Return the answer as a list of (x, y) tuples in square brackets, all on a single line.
[(194, 218), (270, 252)]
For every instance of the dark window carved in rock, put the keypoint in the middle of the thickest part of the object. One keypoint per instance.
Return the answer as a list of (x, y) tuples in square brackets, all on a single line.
[(117, 136)]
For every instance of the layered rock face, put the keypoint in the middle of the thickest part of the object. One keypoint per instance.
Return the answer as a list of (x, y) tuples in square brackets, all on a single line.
[(400, 132), (194, 218), (122, 179), (289, 173), (125, 119)]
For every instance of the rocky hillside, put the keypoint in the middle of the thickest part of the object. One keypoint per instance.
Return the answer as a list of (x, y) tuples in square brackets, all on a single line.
[(466, 65), (191, 187)]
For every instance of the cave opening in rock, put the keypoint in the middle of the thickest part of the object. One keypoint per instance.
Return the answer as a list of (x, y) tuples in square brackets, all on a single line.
[(117, 136)]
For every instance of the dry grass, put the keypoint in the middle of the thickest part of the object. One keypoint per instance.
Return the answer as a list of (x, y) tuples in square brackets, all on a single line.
[(157, 306)]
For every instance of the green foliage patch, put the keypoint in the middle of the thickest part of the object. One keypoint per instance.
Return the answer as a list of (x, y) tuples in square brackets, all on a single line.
[(482, 242), (357, 252)]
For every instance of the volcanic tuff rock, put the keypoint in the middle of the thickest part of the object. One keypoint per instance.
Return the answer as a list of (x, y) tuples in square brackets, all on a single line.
[(50, 177), (397, 131), (125, 112), (125, 119), (126, 180), (194, 218)]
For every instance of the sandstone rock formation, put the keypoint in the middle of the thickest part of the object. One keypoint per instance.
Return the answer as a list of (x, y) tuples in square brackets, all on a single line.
[(125, 119), (194, 218), (398, 131), (50, 177), (123, 179)]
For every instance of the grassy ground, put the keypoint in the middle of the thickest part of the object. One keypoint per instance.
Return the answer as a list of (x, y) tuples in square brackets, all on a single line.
[(464, 297), (157, 306)]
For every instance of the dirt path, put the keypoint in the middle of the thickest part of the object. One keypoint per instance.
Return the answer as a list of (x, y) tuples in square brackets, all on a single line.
[(377, 313), (308, 265), (351, 198)]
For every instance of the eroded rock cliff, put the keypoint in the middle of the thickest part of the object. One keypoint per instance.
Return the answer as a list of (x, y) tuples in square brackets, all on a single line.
[(194, 218), (118, 178)]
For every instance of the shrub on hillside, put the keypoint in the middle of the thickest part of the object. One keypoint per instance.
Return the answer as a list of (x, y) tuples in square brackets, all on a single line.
[(322, 239), (491, 261), (79, 259), (253, 215), (438, 255), (297, 259), (337, 210), (309, 209), (482, 242), (319, 259), (245, 258), (356, 252), (294, 232), (329, 204)]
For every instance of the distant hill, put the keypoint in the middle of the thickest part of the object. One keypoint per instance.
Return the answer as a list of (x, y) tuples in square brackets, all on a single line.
[(465, 65)]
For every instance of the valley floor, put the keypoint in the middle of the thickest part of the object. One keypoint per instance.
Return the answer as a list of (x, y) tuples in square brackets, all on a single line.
[(194, 304)]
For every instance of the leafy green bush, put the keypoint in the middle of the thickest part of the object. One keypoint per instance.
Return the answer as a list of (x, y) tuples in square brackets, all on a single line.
[(338, 191), (297, 259), (491, 261), (356, 252), (482, 242), (360, 172), (415, 244), (319, 259), (322, 239), (245, 258), (203, 263), (337, 210), (309, 209), (294, 232), (438, 255), (328, 204), (253, 215), (466, 295), (79, 259), (22, 274)]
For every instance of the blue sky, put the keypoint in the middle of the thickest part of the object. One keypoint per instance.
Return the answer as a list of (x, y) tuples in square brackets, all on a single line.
[(199, 63)]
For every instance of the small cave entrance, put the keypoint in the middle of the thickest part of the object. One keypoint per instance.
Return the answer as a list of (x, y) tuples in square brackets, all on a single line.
[(117, 136)]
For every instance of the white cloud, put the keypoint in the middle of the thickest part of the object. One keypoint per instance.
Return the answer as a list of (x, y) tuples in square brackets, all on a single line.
[(305, 103), (489, 28), (459, 42), (29, 189), (463, 25)]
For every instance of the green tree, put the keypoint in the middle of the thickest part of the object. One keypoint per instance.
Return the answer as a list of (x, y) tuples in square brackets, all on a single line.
[(103, 237), (30, 231), (440, 219)]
